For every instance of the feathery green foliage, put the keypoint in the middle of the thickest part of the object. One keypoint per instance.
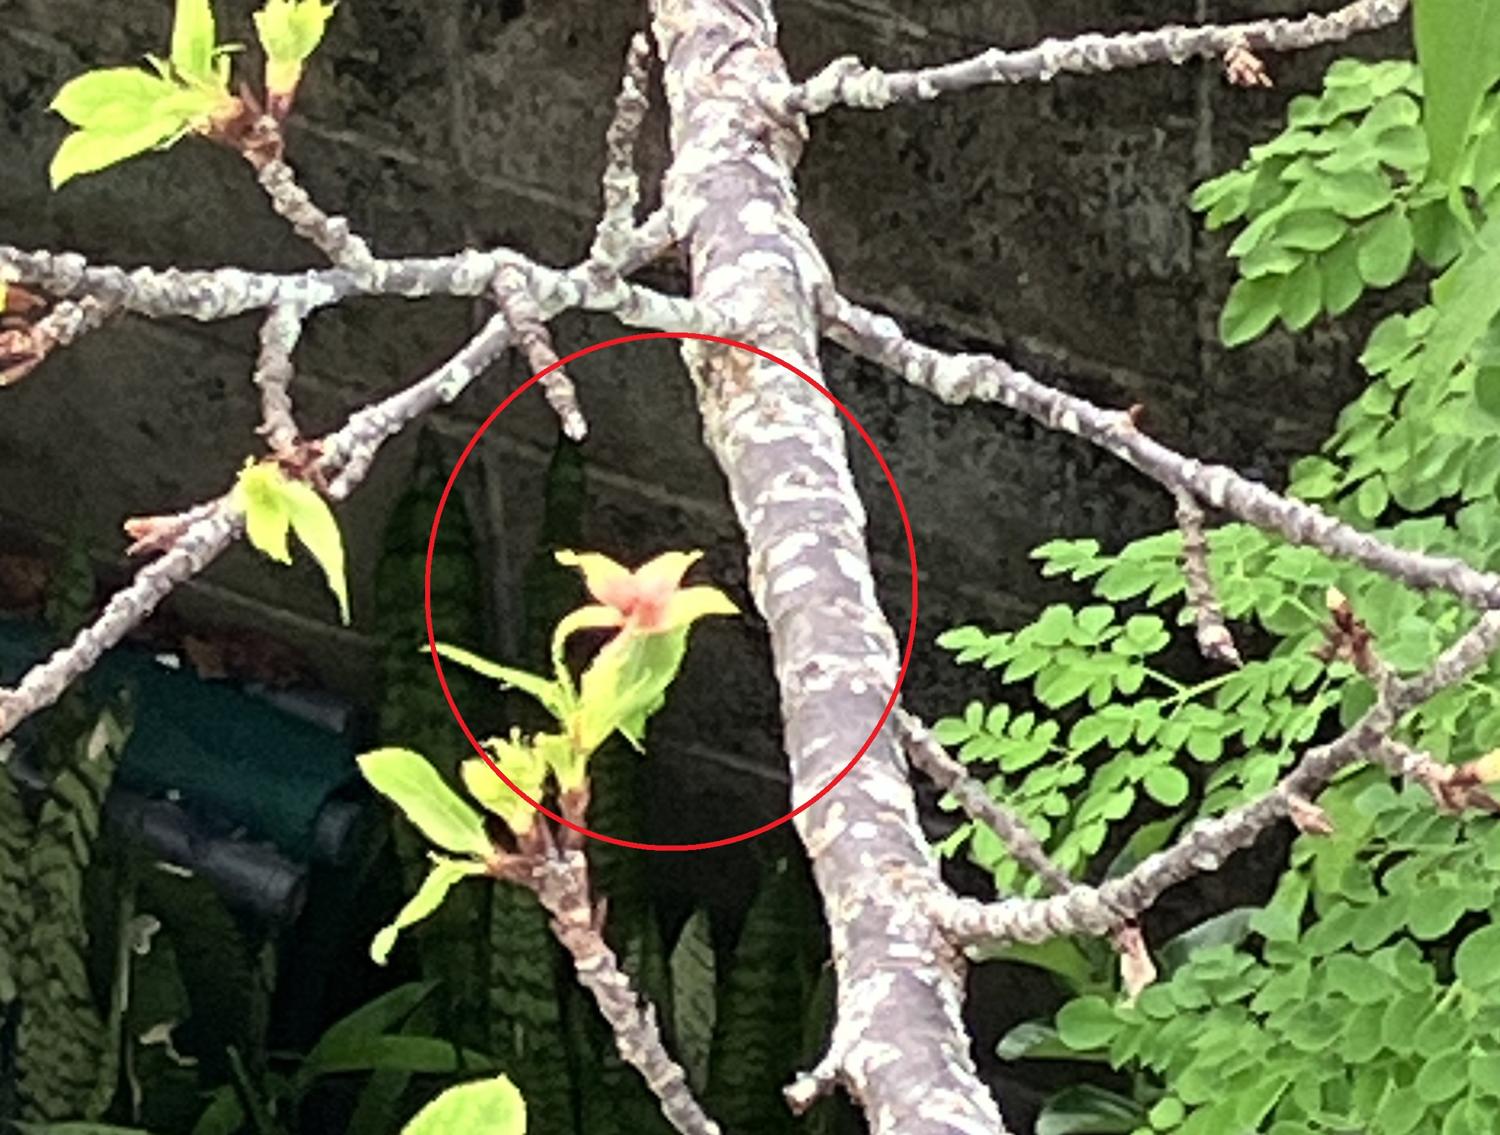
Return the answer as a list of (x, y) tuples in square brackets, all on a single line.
[(1356, 999)]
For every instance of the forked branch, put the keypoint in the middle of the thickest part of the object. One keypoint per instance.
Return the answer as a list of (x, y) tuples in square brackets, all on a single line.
[(850, 82)]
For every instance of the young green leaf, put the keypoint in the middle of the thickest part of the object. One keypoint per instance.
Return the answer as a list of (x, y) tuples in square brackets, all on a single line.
[(290, 31), (88, 151), (538, 687), (274, 505), (193, 41), (267, 523), (624, 685), (485, 1107), (414, 786), (114, 100), (313, 522), (525, 765), (430, 895), (1087, 1023)]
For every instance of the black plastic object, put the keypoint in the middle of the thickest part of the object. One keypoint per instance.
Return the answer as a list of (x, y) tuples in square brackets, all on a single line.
[(234, 764)]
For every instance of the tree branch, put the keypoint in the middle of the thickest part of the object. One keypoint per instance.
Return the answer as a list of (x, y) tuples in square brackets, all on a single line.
[(984, 378), (273, 375), (900, 1046), (849, 82), (529, 331), (330, 234), (1209, 843), (25, 345), (222, 293), (1214, 640), (561, 882), (621, 184), (924, 752)]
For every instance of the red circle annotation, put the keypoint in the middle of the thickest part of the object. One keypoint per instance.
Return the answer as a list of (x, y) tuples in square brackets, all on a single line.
[(911, 556)]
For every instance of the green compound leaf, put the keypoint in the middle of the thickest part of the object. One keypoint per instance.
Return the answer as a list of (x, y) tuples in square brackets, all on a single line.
[(1087, 1023), (1251, 308), (1386, 248), (485, 1107), (1476, 963), (445, 873), (413, 785)]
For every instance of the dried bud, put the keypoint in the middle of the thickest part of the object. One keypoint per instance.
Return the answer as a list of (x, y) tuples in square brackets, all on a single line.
[(1309, 818), (1243, 68), (1137, 970)]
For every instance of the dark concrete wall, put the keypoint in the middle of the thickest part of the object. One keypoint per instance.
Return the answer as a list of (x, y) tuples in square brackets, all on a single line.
[(1049, 222)]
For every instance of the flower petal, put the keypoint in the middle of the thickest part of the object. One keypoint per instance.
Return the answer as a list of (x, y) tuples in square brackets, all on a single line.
[(607, 581), (664, 574), (693, 603)]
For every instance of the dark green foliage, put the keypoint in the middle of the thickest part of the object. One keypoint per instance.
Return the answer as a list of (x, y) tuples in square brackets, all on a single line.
[(695, 995), (1359, 998), (527, 978), (222, 966), (414, 714), (763, 1008), (549, 590), (66, 1051), (525, 1008)]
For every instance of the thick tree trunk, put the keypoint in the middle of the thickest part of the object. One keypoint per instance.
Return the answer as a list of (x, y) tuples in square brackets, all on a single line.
[(900, 1046)]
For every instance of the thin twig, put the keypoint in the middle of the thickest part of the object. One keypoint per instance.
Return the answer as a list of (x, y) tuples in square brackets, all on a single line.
[(513, 293), (1214, 640), (925, 753), (190, 545), (221, 293), (330, 234), (273, 376), (561, 883), (1210, 842), (198, 545), (849, 82), (983, 378), (621, 184), (345, 455), (25, 345)]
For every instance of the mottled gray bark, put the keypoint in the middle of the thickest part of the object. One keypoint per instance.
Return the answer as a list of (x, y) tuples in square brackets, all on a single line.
[(849, 82), (900, 1045)]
